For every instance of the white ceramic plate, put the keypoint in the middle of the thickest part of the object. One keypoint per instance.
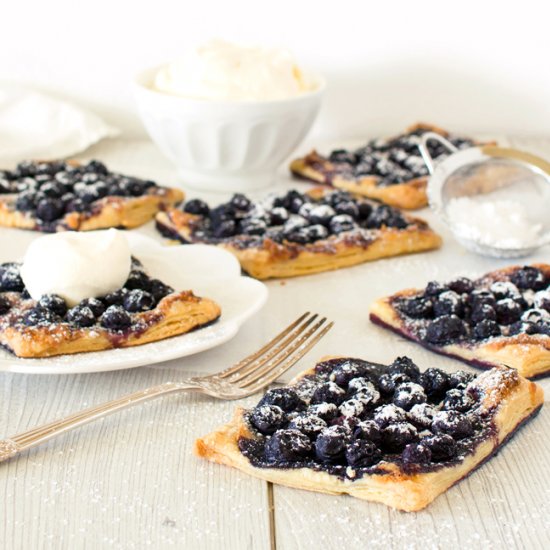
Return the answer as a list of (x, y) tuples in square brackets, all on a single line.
[(206, 270)]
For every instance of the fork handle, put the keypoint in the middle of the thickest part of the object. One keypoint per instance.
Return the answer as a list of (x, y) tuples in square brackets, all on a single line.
[(16, 444)]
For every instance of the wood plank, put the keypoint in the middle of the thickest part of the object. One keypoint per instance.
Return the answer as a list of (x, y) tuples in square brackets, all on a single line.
[(128, 481)]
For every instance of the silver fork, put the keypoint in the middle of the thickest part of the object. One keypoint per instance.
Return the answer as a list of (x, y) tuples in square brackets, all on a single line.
[(245, 378)]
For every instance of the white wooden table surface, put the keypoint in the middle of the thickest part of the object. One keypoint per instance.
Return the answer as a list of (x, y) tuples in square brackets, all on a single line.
[(131, 480)]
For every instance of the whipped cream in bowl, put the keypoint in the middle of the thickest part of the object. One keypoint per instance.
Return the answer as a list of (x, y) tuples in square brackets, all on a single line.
[(226, 115), (77, 266)]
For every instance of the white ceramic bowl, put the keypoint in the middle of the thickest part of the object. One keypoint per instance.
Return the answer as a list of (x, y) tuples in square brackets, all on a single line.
[(224, 145)]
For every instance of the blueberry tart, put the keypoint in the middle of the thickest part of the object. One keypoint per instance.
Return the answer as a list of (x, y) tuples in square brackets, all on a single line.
[(144, 310), (390, 170), (298, 234), (500, 318), (389, 434), (60, 196)]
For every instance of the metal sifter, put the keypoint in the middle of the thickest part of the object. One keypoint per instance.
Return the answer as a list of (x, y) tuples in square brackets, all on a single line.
[(495, 200)]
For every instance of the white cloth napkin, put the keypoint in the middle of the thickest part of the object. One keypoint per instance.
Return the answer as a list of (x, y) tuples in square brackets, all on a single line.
[(34, 125)]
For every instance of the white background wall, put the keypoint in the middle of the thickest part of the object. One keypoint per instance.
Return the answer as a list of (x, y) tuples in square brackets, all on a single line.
[(467, 65)]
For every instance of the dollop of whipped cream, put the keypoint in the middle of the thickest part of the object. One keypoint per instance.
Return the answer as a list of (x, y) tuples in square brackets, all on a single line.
[(77, 266), (220, 70)]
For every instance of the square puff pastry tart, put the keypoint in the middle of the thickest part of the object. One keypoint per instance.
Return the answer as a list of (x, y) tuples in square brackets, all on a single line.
[(390, 170), (62, 196), (299, 234), (144, 310), (501, 318), (385, 434)]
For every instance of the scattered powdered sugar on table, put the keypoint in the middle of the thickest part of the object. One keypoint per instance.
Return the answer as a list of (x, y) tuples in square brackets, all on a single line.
[(502, 223)]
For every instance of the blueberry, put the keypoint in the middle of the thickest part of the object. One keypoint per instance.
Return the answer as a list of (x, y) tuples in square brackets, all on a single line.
[(25, 168), (347, 207), (49, 210), (116, 318), (361, 453), (97, 167), (343, 155), (321, 214), (418, 307), (442, 447), (286, 398), (316, 232), (159, 290), (508, 311), (196, 207), (528, 277), (435, 382), (448, 303), (482, 311), (369, 430), (308, 424), (416, 453), (54, 303), (329, 393), (53, 190), (404, 365), (278, 215), (138, 300), (385, 216), (396, 435), (225, 229), (268, 418), (75, 205), (26, 201), (409, 394), (486, 329), (292, 201), (222, 213), (504, 289), (480, 297), (40, 316), (346, 372), (134, 187), (325, 411), (461, 285), (352, 407), (542, 300), (445, 329), (81, 316), (138, 279), (388, 382), (452, 423), (253, 226), (331, 444), (10, 278), (422, 415), (460, 379), (341, 223), (435, 288), (116, 297), (287, 446), (5, 305), (96, 306), (389, 414), (240, 202), (457, 400)]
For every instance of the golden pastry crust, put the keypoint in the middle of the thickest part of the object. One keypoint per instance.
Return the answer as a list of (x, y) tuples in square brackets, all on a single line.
[(175, 314), (111, 211), (528, 353), (508, 397), (273, 260), (410, 195)]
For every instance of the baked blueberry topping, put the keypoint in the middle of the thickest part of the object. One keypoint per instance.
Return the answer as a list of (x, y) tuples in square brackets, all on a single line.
[(39, 316), (197, 207), (388, 382), (405, 429), (54, 303), (287, 446), (448, 302), (5, 305), (462, 285), (486, 328), (529, 278), (116, 318), (96, 306), (138, 300), (418, 307)]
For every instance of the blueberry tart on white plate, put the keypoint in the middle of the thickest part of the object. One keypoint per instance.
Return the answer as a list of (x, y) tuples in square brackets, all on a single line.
[(501, 318), (66, 195), (389, 434), (390, 170), (143, 310), (299, 233)]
